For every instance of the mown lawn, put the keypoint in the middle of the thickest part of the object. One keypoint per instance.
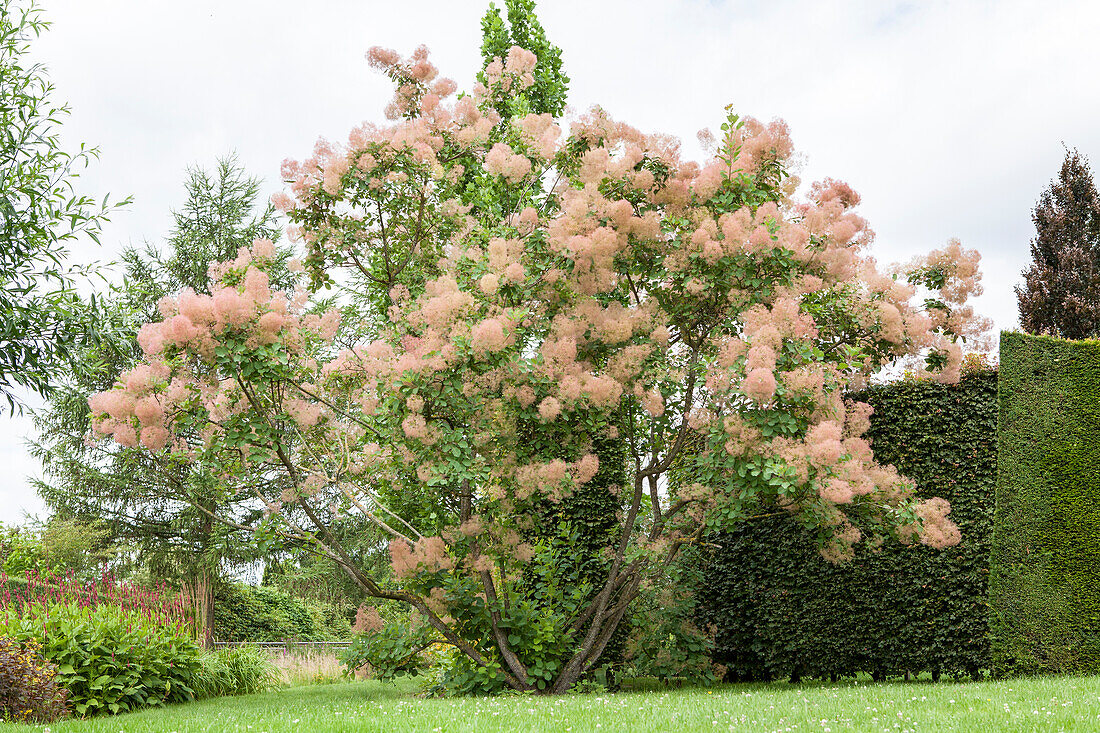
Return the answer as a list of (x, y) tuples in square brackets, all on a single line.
[(1048, 704)]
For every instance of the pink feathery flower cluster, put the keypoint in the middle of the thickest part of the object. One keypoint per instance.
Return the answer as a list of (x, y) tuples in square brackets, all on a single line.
[(367, 620), (515, 71), (412, 77), (196, 321), (426, 555), (305, 414), (934, 528), (554, 479), (502, 161), (488, 336), (759, 385), (842, 546), (519, 61), (140, 408), (541, 134), (549, 409), (135, 413)]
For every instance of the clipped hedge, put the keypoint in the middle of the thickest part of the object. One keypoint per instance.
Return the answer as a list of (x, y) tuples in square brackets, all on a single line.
[(1045, 582), (248, 613), (779, 609)]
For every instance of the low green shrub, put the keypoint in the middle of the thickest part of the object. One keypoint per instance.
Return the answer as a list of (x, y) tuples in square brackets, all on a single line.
[(391, 651), (666, 642), (213, 677), (29, 688), (450, 673), (110, 660)]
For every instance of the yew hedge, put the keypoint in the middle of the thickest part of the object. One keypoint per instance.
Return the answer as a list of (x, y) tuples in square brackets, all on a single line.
[(1045, 581)]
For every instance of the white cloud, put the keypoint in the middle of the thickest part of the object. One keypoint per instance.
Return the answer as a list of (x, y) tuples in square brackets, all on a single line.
[(948, 117)]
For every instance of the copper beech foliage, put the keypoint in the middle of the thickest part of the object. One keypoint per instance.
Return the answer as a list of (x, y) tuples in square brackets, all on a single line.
[(510, 291)]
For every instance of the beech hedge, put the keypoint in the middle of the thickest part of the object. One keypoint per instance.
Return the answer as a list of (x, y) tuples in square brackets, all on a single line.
[(1045, 566), (779, 609)]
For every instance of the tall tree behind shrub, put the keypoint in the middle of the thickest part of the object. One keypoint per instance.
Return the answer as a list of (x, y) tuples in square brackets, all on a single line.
[(163, 512), (1045, 566), (779, 609), (1061, 291)]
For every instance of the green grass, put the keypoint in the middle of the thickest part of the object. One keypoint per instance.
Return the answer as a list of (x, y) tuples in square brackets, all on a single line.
[(1039, 704)]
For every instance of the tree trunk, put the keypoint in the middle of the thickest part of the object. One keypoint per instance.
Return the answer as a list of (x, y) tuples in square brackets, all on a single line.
[(208, 611), (202, 600), (206, 618)]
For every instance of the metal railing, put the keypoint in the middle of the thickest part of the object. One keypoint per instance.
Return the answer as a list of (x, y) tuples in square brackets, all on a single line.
[(285, 644)]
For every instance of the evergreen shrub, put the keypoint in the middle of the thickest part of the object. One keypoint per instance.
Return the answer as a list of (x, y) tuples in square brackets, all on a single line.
[(778, 608), (1045, 579)]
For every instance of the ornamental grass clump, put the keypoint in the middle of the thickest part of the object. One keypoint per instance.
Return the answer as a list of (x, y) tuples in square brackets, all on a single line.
[(236, 670), (515, 290), (308, 666)]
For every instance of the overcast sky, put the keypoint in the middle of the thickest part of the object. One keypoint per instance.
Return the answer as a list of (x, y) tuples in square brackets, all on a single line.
[(947, 117)]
